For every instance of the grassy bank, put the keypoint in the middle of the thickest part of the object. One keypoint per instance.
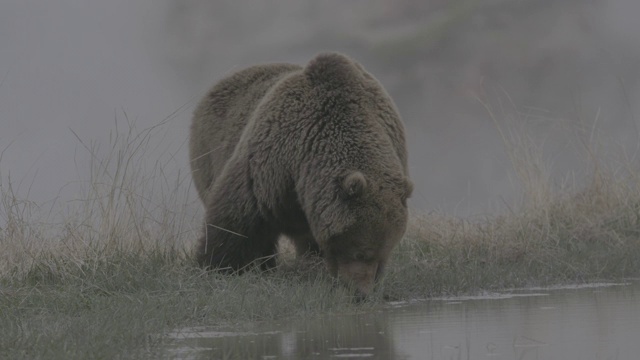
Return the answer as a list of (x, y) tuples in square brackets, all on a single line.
[(113, 272)]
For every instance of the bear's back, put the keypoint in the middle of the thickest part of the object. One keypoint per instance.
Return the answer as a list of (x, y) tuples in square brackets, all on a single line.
[(221, 116)]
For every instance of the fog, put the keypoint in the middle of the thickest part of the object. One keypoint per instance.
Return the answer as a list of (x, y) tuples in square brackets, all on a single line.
[(459, 71)]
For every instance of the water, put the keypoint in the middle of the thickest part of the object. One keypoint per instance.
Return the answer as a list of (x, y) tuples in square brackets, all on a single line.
[(591, 322)]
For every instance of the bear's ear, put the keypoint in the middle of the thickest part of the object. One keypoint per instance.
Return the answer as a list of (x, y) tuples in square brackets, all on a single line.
[(353, 185), (408, 190), (332, 68)]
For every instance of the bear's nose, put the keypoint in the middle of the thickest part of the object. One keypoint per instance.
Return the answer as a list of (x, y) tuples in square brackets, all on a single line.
[(359, 276)]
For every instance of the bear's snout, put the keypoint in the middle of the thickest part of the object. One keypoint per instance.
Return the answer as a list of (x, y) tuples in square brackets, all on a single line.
[(359, 276)]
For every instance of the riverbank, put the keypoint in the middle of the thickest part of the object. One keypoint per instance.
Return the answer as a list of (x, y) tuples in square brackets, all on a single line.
[(117, 298)]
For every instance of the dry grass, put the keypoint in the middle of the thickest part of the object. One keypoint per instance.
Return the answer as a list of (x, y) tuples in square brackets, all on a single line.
[(126, 204)]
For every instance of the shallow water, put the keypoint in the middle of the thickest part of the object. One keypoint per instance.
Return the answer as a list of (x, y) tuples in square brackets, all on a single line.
[(587, 322)]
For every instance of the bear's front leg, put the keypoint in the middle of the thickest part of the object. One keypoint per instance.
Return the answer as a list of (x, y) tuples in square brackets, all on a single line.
[(235, 233)]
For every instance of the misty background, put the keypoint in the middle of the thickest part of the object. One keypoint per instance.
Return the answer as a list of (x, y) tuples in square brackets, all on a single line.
[(565, 71)]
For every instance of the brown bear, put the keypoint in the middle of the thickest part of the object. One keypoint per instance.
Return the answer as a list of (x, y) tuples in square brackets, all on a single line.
[(316, 153)]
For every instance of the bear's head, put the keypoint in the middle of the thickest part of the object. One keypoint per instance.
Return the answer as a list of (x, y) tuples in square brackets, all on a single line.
[(353, 183), (365, 221)]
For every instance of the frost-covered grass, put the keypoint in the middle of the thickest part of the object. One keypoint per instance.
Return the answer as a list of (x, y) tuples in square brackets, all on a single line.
[(113, 272)]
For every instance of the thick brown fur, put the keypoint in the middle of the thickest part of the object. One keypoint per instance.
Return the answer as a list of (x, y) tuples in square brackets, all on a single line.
[(316, 153)]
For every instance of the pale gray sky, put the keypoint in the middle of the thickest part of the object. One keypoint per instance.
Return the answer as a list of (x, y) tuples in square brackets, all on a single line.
[(76, 64)]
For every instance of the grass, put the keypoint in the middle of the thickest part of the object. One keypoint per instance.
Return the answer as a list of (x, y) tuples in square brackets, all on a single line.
[(107, 275)]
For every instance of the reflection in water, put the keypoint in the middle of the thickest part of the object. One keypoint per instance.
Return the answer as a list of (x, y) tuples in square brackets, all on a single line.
[(578, 323)]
